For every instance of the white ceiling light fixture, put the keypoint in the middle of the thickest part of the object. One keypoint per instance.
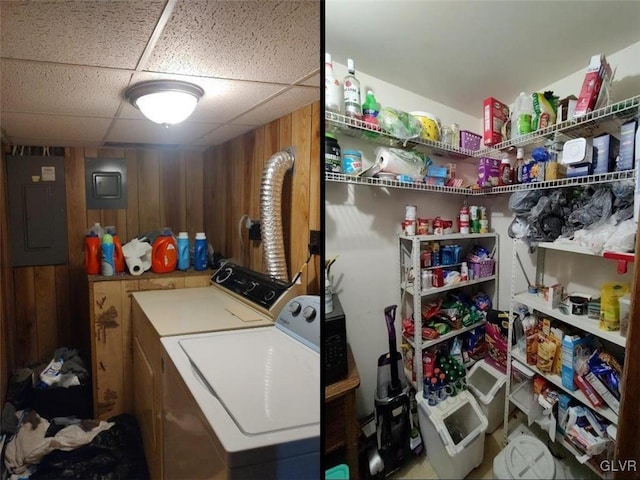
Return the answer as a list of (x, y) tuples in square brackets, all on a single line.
[(166, 102)]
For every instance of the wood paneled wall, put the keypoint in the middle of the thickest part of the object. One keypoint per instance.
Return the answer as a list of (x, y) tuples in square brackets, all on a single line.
[(45, 307), (233, 174)]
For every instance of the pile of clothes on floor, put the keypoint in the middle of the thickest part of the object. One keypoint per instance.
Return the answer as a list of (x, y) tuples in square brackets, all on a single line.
[(598, 217), (47, 433)]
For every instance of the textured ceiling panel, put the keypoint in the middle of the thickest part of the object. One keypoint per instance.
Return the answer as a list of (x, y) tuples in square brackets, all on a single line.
[(222, 100), (296, 97), (104, 33), (144, 131), (224, 133), (45, 88), (314, 81), (275, 41), (58, 132)]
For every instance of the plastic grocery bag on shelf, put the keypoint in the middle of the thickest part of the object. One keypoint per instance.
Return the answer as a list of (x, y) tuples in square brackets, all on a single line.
[(523, 201), (623, 238), (594, 238), (400, 162), (399, 124)]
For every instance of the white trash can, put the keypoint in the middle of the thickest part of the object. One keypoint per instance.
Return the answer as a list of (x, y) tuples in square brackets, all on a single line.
[(488, 386), (453, 434)]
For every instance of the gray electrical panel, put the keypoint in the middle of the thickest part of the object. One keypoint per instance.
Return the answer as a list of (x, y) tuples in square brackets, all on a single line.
[(37, 210)]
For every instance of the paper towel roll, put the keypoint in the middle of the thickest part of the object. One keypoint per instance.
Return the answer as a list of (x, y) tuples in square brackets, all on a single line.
[(400, 162), (134, 264)]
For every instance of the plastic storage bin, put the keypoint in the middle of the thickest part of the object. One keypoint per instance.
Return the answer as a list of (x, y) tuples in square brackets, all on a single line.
[(524, 457), (488, 386), (522, 386), (453, 433)]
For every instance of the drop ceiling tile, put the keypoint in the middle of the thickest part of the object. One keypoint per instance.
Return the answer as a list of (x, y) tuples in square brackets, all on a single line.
[(223, 134), (56, 130), (222, 100), (290, 100), (144, 131), (250, 40), (29, 87), (314, 81), (109, 34)]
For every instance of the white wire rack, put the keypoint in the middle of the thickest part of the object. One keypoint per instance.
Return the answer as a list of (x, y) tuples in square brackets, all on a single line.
[(564, 182)]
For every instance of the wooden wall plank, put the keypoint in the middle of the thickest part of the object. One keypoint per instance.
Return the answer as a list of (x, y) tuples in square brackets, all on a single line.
[(148, 191), (195, 199), (132, 214), (76, 231), (285, 140), (63, 306), (26, 328), (314, 269), (257, 169), (299, 227), (211, 197), (46, 311), (172, 196)]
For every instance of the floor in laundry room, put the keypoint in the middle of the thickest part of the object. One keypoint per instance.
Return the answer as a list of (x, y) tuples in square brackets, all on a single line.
[(420, 468)]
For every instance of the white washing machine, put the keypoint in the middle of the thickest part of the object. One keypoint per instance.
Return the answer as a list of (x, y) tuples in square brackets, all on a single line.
[(245, 402)]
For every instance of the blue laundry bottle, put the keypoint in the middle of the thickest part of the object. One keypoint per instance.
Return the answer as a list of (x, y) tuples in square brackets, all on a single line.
[(200, 252), (107, 267), (183, 251)]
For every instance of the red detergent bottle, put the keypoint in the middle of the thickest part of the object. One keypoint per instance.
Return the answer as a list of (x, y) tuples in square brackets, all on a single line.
[(164, 256)]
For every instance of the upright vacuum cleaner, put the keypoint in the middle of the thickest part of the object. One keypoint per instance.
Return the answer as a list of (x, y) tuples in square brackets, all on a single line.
[(392, 406)]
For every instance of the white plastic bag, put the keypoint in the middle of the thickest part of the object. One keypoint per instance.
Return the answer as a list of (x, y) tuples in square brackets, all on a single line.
[(623, 238)]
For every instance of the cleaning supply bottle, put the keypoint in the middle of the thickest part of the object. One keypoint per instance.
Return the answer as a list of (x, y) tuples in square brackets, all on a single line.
[(183, 251), (331, 86), (370, 109), (118, 256), (164, 254), (98, 229), (107, 267), (522, 116), (351, 89), (200, 252), (92, 252)]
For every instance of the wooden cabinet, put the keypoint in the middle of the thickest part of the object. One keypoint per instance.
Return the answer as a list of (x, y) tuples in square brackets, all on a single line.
[(112, 349), (148, 366)]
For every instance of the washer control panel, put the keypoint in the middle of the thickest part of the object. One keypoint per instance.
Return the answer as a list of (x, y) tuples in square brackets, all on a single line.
[(254, 287), (300, 318)]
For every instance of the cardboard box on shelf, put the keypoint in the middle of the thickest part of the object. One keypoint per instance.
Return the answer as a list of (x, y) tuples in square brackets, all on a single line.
[(488, 172), (605, 151), (569, 345), (627, 139), (496, 114)]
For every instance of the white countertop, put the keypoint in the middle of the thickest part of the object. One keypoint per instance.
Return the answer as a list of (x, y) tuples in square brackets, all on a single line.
[(196, 310)]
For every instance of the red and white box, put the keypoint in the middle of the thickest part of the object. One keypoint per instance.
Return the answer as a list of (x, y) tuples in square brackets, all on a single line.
[(598, 72), (495, 114)]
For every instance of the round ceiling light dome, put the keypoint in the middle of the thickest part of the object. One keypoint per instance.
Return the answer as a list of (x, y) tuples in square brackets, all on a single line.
[(165, 102)]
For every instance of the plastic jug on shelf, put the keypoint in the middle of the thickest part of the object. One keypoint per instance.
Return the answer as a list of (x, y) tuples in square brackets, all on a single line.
[(164, 256)]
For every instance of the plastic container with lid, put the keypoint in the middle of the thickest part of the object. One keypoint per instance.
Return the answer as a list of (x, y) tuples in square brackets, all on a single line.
[(92, 253), (522, 115), (351, 162), (200, 252), (118, 256), (332, 154), (488, 386), (625, 309), (183, 251), (107, 266), (164, 255), (577, 151), (431, 128), (524, 457), (453, 432)]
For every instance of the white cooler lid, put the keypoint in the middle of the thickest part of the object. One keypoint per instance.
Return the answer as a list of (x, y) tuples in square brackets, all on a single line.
[(266, 380), (527, 457)]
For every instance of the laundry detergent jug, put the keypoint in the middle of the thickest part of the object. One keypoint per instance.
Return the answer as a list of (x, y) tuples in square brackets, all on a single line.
[(164, 256)]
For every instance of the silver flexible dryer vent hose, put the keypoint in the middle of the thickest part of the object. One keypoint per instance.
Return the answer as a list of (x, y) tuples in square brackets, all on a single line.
[(275, 263)]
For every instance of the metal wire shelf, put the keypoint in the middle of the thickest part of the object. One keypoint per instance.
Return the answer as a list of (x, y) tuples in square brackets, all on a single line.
[(588, 125), (340, 124), (563, 182)]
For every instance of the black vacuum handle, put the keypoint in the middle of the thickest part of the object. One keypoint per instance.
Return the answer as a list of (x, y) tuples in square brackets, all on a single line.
[(390, 317)]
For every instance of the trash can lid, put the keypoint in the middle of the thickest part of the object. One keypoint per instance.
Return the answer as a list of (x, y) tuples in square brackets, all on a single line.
[(528, 457)]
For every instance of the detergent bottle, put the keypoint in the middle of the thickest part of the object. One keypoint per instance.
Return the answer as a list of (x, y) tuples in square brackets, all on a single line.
[(107, 267), (92, 252), (183, 251), (164, 255), (200, 252), (118, 256)]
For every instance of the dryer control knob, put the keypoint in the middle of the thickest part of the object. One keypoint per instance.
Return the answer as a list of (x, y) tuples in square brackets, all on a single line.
[(269, 295), (309, 313), (224, 275), (295, 308)]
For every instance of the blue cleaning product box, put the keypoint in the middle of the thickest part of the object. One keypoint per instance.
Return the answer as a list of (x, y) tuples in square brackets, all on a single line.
[(605, 152), (570, 344)]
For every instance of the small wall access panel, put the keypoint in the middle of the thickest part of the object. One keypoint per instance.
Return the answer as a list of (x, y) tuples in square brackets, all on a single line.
[(106, 183), (37, 210)]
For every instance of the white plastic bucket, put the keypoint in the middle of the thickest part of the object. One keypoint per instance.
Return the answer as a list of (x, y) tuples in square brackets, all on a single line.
[(524, 457)]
